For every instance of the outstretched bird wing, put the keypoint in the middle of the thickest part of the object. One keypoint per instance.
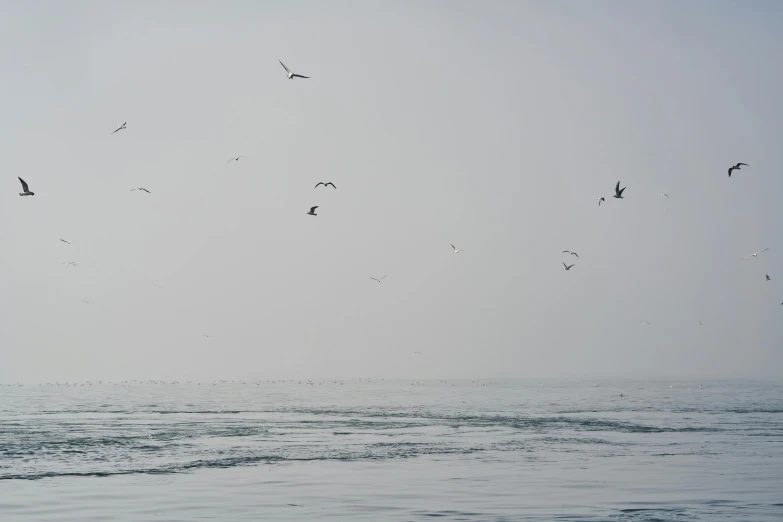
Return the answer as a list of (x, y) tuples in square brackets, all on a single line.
[(299, 76), (330, 183), (617, 188), (574, 254), (565, 251), (312, 209), (730, 169), (742, 164), (452, 246), (566, 266), (319, 183), (621, 191), (375, 279), (24, 184), (284, 67)]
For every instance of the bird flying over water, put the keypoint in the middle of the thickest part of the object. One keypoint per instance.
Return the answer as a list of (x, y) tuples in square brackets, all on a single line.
[(767, 277), (121, 127), (69, 263), (618, 192), (755, 254), (567, 267), (87, 302), (599, 200), (569, 252), (417, 353), (312, 211), (234, 159), (645, 322), (325, 184), (65, 241), (701, 323), (25, 188), (665, 195), (737, 167), (455, 249), (291, 75), (379, 280), (157, 286), (141, 188)]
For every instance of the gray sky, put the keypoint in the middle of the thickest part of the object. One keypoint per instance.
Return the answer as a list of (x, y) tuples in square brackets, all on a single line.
[(493, 126)]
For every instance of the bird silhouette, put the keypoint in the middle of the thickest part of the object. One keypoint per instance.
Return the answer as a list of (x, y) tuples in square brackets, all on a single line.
[(618, 192), (737, 167)]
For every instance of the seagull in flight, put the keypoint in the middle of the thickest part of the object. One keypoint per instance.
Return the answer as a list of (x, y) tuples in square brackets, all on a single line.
[(618, 192), (455, 249), (87, 302), (312, 211), (737, 167), (419, 353), (205, 335), (379, 280), (121, 127), (25, 188), (645, 322), (234, 159), (141, 188), (600, 200), (65, 241), (665, 195), (756, 254), (701, 323), (291, 75), (767, 276), (567, 267), (569, 252), (69, 263), (325, 184), (157, 286)]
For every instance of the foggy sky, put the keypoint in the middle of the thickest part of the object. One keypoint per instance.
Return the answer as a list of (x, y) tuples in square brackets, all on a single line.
[(489, 125)]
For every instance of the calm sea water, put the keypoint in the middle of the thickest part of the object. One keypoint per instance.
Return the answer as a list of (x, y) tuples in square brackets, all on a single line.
[(391, 450)]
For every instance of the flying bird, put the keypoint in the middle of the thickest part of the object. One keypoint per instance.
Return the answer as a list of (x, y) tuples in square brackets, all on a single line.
[(618, 192), (417, 353), (312, 211), (600, 200), (141, 188), (65, 241), (121, 127), (325, 184), (569, 252), (379, 280), (25, 188), (291, 75), (567, 267), (455, 249), (767, 277), (701, 323), (87, 302), (69, 263), (755, 254), (737, 167), (157, 286), (645, 322), (234, 159), (665, 195)]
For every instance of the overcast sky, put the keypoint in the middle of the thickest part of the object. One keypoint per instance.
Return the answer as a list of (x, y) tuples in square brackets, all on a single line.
[(490, 125)]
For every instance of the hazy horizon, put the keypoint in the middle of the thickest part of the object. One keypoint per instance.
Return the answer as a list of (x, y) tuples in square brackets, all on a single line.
[(492, 126)]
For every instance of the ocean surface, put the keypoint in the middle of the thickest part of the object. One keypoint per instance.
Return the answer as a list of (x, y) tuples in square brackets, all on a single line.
[(392, 451)]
